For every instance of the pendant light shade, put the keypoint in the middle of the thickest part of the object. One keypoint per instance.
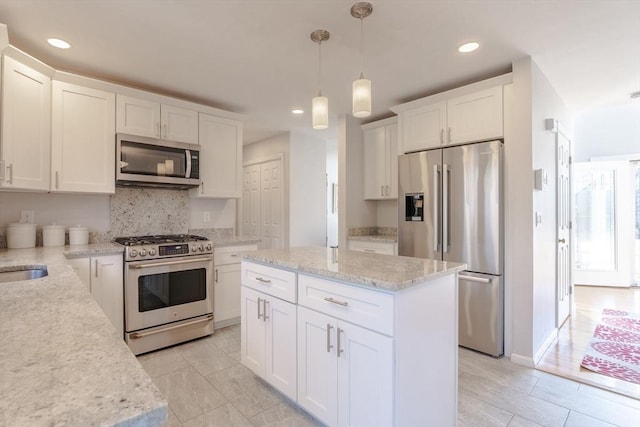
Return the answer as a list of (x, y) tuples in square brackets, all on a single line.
[(361, 87), (362, 97), (320, 111), (320, 104)]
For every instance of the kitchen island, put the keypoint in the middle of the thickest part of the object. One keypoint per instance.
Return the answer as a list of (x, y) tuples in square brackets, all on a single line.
[(62, 362), (354, 338)]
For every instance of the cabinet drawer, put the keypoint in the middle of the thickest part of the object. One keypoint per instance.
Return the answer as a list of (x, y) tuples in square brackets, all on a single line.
[(368, 308), (387, 248), (272, 281), (230, 254)]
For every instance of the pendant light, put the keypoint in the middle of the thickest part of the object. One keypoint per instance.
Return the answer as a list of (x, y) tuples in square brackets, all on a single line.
[(361, 86), (320, 104)]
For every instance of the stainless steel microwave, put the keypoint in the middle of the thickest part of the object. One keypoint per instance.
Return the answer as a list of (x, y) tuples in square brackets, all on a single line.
[(151, 162)]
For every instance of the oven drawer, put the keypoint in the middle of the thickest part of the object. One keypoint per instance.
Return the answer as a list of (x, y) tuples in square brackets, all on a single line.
[(373, 310), (272, 281)]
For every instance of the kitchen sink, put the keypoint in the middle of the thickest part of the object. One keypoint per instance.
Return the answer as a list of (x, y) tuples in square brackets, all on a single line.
[(23, 273)]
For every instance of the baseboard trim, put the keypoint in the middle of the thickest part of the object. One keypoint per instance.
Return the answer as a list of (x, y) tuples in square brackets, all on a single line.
[(522, 360), (226, 322), (545, 345)]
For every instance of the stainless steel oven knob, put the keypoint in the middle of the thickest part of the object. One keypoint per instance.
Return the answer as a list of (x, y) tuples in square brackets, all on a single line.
[(133, 253), (143, 252), (209, 246), (152, 251), (201, 248), (194, 249)]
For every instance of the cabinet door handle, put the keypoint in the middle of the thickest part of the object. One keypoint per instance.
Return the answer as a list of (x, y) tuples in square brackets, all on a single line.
[(57, 174), (216, 274), (157, 128), (2, 174), (329, 346), (342, 303), (10, 168), (449, 135), (441, 136), (202, 188), (96, 268), (382, 190), (260, 279), (164, 131), (338, 349), (264, 309), (259, 301)]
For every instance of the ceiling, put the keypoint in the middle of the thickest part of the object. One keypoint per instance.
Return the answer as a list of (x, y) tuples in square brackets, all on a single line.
[(256, 57)]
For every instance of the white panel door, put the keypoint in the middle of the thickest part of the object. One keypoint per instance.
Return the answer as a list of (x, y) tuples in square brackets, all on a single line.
[(604, 223), (563, 221), (26, 127), (252, 331), (365, 377), (251, 203), (137, 116), (280, 360), (317, 365), (83, 139), (272, 205)]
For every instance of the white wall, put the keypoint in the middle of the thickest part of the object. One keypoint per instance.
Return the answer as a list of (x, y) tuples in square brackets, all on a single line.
[(222, 213), (608, 131), (530, 251), (308, 198), (387, 213), (89, 210)]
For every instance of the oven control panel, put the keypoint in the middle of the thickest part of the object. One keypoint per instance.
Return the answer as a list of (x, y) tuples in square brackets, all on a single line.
[(145, 252)]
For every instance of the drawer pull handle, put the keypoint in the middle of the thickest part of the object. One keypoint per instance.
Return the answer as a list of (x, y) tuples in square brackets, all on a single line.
[(369, 250), (260, 279), (234, 255), (342, 303)]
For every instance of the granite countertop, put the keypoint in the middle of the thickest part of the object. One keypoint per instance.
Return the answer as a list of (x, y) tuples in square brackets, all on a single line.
[(384, 272), (61, 361), (374, 238)]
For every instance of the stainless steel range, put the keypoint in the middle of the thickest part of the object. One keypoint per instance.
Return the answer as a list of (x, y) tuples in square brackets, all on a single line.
[(168, 290)]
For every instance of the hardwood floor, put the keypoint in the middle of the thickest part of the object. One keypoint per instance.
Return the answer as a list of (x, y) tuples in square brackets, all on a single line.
[(564, 356)]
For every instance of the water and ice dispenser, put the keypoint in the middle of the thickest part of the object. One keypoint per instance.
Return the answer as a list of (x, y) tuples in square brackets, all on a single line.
[(414, 206)]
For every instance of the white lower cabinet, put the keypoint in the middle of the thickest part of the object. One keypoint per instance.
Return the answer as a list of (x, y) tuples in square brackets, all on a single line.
[(268, 339), (102, 275), (344, 371), (226, 284)]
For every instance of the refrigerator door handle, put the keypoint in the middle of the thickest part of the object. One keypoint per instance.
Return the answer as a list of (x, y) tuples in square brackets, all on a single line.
[(446, 178), (473, 279), (435, 208)]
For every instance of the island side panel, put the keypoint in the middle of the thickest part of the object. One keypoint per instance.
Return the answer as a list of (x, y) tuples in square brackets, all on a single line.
[(426, 339)]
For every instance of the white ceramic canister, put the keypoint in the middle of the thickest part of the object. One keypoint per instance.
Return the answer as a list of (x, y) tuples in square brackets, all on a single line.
[(21, 235), (53, 235), (78, 235)]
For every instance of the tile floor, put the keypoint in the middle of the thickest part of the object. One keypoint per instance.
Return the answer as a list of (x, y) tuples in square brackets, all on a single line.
[(206, 385)]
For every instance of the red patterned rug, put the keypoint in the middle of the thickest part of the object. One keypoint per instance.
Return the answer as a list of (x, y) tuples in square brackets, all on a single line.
[(614, 349)]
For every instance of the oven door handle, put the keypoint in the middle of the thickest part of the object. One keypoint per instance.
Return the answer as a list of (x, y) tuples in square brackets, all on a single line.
[(137, 335), (162, 264)]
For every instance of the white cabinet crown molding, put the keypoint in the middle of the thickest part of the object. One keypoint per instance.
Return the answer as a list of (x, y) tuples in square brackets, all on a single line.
[(459, 91)]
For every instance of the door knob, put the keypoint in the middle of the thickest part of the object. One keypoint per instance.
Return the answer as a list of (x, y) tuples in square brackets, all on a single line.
[(561, 241)]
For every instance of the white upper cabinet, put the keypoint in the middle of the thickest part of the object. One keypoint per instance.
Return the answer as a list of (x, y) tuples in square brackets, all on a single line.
[(467, 114), (152, 119), (424, 127), (380, 160), (25, 154), (220, 158), (82, 139), (475, 117)]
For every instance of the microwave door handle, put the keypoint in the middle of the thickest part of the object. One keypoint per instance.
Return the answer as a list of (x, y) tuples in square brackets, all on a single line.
[(188, 172)]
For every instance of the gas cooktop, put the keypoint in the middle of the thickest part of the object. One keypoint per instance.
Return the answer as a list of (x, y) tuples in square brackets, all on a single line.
[(158, 239)]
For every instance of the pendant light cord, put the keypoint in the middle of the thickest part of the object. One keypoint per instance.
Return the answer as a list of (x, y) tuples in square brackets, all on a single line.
[(361, 48), (319, 68)]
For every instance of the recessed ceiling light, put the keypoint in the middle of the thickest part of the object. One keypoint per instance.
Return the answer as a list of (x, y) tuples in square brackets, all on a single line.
[(468, 47), (60, 44), (297, 111)]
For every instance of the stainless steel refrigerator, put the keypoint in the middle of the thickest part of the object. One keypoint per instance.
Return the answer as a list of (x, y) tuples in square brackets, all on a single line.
[(450, 208)]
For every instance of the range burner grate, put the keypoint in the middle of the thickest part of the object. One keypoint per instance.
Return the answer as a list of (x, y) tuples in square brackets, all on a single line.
[(158, 239)]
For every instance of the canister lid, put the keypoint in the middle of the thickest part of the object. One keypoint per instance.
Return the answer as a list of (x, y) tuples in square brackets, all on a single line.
[(53, 227), (21, 225), (78, 228)]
